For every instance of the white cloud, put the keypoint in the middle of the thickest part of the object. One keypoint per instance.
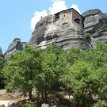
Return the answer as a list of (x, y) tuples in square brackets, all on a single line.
[(57, 5), (36, 17), (56, 0), (75, 6)]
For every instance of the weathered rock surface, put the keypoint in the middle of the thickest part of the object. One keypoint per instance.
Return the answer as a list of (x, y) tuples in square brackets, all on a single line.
[(96, 24), (16, 45), (92, 19), (1, 54), (99, 36), (64, 33)]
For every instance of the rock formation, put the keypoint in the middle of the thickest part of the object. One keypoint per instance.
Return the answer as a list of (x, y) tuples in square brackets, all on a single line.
[(96, 24), (64, 28), (1, 54), (16, 45)]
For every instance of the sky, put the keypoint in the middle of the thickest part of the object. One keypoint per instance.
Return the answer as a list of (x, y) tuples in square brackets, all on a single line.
[(18, 17)]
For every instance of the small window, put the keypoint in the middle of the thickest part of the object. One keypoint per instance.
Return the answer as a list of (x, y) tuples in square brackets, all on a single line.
[(77, 20), (57, 16), (64, 15)]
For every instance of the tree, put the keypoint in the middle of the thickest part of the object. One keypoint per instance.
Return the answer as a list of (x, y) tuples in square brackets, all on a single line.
[(2, 63), (22, 70), (87, 75), (80, 83), (53, 66), (100, 103)]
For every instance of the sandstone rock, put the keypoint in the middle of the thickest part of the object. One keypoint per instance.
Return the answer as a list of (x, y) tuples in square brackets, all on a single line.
[(99, 36), (16, 45), (92, 18), (1, 54), (63, 29), (95, 23)]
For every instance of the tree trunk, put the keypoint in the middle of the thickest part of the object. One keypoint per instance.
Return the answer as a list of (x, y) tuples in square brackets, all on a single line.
[(42, 95), (45, 96), (30, 95)]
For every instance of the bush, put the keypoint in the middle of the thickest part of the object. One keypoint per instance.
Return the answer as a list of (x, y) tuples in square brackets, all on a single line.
[(87, 35), (2, 105), (100, 104), (29, 104)]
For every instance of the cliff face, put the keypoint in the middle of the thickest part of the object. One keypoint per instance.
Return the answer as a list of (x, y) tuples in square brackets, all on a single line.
[(66, 30), (92, 19), (1, 54), (96, 24), (64, 33), (16, 45)]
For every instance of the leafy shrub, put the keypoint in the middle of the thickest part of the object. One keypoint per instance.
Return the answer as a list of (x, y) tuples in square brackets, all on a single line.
[(2, 105), (87, 35), (100, 104), (29, 104)]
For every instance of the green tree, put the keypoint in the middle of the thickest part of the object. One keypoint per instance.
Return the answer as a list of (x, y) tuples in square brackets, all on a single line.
[(22, 70), (53, 64), (2, 63), (2, 105), (29, 104), (80, 83), (89, 88), (100, 103)]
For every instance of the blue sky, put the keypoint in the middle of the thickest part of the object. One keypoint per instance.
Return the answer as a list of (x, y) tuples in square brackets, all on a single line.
[(18, 17)]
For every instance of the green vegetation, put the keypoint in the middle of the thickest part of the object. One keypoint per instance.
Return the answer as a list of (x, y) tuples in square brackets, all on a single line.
[(29, 104), (2, 63), (2, 105), (22, 70), (103, 27), (87, 35), (53, 71)]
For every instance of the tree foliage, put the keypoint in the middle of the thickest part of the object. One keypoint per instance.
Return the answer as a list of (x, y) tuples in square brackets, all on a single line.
[(2, 63), (22, 69), (80, 73), (53, 64)]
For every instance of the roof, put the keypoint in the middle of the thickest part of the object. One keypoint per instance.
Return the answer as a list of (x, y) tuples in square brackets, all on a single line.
[(70, 9)]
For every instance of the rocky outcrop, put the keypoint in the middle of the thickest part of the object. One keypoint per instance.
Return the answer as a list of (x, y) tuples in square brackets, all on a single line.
[(1, 54), (64, 33), (99, 36), (92, 19), (16, 45), (96, 24)]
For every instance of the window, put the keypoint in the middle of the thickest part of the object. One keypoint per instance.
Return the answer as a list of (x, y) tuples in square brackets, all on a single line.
[(57, 16), (77, 20)]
